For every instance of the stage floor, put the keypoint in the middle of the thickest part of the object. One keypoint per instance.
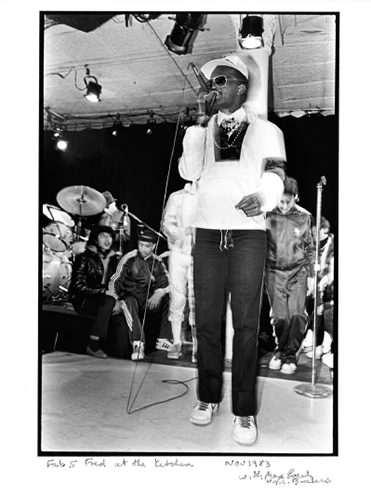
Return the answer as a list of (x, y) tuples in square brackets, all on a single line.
[(118, 406)]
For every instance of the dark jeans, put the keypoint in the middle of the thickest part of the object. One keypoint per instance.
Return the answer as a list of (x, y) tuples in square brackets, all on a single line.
[(222, 265), (101, 306)]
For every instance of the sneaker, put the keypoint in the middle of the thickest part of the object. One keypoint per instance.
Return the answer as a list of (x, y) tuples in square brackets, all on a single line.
[(163, 345), (308, 341), (138, 350), (245, 430), (275, 363), (203, 412), (326, 344), (288, 368), (328, 360), (98, 353), (319, 352), (175, 351)]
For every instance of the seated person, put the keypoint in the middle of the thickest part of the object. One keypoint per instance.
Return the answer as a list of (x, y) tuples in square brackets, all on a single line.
[(141, 284), (88, 291)]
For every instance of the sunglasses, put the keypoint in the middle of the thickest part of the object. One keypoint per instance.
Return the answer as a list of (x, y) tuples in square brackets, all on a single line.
[(222, 81)]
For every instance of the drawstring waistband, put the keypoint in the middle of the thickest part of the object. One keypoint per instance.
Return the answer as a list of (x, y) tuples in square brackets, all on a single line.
[(226, 240)]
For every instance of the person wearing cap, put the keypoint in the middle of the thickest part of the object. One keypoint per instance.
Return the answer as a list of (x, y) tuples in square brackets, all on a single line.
[(141, 284), (88, 292), (238, 159), (118, 221)]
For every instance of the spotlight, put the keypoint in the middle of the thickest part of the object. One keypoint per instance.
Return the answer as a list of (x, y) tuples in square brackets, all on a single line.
[(116, 128), (93, 89), (151, 123), (62, 144), (251, 32), (183, 32)]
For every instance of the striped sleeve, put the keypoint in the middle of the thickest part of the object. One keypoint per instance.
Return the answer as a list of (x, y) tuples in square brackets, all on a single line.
[(120, 270)]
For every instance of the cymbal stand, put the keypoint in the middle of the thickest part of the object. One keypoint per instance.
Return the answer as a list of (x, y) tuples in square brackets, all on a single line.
[(313, 390)]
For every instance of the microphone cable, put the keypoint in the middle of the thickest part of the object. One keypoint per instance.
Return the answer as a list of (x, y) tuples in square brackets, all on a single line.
[(129, 406)]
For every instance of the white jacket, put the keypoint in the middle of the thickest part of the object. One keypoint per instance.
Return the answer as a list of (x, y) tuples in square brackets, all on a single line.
[(178, 218)]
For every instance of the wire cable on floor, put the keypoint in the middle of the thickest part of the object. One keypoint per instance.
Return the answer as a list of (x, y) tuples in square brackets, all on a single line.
[(170, 381)]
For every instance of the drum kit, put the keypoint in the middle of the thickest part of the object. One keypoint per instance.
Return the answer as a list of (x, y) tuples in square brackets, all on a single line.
[(63, 239)]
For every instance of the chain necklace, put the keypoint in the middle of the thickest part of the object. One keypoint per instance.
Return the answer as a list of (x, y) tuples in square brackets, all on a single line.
[(232, 144)]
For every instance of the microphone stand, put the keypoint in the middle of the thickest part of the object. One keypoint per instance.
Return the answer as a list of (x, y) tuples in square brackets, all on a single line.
[(314, 390), (144, 223)]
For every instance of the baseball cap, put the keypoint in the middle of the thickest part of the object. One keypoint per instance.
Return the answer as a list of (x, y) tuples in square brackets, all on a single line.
[(146, 235), (229, 61)]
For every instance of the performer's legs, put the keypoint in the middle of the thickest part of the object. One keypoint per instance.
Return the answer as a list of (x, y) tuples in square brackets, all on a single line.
[(210, 268), (245, 279)]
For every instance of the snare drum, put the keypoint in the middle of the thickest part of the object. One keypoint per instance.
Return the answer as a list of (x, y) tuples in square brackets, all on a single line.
[(57, 236), (57, 273)]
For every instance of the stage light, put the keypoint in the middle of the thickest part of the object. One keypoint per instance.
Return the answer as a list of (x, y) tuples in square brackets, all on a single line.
[(183, 32), (93, 89), (62, 144), (151, 123), (251, 32), (116, 128), (58, 137)]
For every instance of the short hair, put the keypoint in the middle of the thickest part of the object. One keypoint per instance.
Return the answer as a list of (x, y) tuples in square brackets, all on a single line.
[(325, 224), (291, 186)]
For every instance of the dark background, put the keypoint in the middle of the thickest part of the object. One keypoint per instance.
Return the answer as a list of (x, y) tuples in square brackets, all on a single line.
[(136, 167)]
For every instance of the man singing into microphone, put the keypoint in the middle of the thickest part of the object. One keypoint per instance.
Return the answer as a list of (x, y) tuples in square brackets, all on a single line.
[(238, 159)]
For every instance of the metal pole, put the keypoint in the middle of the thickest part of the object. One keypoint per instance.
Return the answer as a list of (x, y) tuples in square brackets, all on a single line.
[(314, 390)]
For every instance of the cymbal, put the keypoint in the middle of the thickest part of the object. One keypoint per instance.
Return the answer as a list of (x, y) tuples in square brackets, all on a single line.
[(81, 200), (58, 215)]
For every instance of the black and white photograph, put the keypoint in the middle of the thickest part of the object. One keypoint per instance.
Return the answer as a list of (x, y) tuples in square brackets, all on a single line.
[(188, 193), (186, 207)]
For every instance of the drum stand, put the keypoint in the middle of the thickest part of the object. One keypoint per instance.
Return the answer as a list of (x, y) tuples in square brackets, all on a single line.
[(59, 295), (313, 390)]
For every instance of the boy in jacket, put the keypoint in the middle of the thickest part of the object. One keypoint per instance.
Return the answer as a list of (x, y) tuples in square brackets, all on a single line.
[(289, 275)]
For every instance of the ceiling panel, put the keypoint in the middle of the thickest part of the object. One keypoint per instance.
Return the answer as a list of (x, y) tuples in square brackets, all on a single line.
[(139, 75)]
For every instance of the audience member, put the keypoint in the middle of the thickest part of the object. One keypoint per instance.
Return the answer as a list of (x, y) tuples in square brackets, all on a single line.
[(141, 284), (289, 275), (176, 225), (239, 161), (92, 270), (326, 256)]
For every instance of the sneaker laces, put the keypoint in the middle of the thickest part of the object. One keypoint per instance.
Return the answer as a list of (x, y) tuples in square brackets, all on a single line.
[(202, 406), (245, 421)]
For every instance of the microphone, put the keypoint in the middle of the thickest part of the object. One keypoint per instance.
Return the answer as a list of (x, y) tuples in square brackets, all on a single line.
[(205, 104), (200, 77)]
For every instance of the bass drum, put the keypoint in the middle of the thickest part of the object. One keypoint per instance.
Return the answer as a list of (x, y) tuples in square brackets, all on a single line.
[(57, 236), (57, 273)]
